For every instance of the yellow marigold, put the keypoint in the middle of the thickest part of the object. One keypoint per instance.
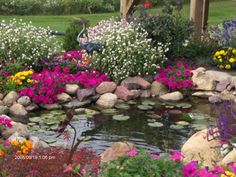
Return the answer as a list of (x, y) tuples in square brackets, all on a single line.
[(231, 60), (1, 153), (228, 66), (228, 174), (28, 144), (15, 143)]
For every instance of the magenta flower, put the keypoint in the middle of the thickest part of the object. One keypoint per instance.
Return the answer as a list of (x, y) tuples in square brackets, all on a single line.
[(178, 73), (171, 85), (7, 143), (132, 153), (176, 155), (172, 78), (187, 73), (190, 170), (154, 156), (179, 64)]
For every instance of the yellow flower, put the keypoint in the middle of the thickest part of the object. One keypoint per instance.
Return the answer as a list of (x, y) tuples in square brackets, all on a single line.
[(234, 51), (15, 143), (217, 53), (228, 66), (231, 60), (228, 174), (28, 144), (220, 60)]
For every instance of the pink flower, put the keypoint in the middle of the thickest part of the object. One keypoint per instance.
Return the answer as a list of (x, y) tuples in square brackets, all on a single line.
[(66, 70), (83, 171), (217, 169), (132, 153), (204, 172), (187, 73), (190, 169), (178, 73), (172, 78), (179, 64), (154, 156), (171, 85), (176, 156), (7, 143), (68, 169)]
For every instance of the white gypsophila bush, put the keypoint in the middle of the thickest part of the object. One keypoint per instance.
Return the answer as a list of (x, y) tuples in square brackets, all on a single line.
[(25, 44), (126, 50)]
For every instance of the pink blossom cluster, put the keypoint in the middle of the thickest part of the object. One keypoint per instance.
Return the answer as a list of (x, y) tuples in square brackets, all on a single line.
[(5, 123), (50, 83), (175, 78)]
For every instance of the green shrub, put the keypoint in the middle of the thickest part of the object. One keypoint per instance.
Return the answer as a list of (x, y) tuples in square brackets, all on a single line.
[(126, 52), (25, 44), (70, 42)]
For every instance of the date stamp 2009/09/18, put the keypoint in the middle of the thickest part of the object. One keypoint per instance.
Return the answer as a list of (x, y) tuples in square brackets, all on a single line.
[(34, 157)]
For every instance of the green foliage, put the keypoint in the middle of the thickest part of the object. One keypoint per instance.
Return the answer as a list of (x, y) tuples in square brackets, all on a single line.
[(75, 27), (141, 165)]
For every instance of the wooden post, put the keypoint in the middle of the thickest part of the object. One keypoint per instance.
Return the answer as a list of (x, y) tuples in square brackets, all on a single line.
[(126, 6), (205, 14)]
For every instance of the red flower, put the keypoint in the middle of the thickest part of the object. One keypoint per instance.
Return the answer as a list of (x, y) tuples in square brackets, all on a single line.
[(148, 4)]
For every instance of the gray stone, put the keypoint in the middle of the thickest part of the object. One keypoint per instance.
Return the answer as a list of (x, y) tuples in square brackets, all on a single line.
[(17, 127), (173, 96), (24, 101), (1, 96), (79, 110), (204, 94), (63, 98), (54, 106), (94, 98), (222, 85), (134, 83), (136, 93), (145, 93), (10, 98), (35, 142), (76, 104), (107, 100), (32, 107), (4, 109), (18, 111), (83, 94), (157, 89), (106, 87), (71, 89), (214, 99)]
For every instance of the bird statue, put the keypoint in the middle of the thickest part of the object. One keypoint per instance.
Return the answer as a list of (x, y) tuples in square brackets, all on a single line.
[(90, 47)]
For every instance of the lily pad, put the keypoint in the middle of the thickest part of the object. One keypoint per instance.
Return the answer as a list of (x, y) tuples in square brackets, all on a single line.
[(151, 120), (198, 127), (91, 112), (122, 106), (51, 123), (144, 107), (185, 117), (184, 123), (183, 105), (176, 127), (120, 117), (154, 116), (109, 111), (35, 119), (198, 116), (155, 124), (132, 102), (148, 102), (169, 107), (31, 124)]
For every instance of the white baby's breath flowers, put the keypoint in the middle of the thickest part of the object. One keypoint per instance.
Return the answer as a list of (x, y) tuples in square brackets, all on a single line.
[(26, 44)]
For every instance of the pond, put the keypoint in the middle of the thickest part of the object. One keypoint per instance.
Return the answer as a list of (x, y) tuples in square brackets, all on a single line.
[(150, 124)]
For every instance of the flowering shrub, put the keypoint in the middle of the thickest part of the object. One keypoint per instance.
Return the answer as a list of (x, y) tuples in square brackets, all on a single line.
[(4, 123), (51, 83), (127, 51), (225, 58), (74, 60), (176, 78), (25, 44), (224, 33)]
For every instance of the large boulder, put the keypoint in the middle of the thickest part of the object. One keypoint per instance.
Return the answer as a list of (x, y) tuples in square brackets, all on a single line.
[(108, 100), (71, 89), (133, 83), (123, 93), (198, 148), (10, 98), (24, 100), (18, 111), (118, 149), (63, 98), (106, 87), (83, 94), (222, 85), (157, 89), (230, 157), (173, 96)]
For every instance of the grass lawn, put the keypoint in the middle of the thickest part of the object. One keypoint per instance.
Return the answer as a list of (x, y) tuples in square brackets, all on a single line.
[(219, 11)]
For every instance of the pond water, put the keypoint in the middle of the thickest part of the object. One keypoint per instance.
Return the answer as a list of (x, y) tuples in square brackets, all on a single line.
[(150, 124)]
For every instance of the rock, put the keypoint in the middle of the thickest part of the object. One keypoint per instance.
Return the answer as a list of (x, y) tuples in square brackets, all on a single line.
[(218, 76), (157, 89), (145, 93), (4, 109), (118, 149), (1, 103), (10, 98), (18, 111), (76, 104), (17, 127), (36, 142), (106, 87), (173, 96), (71, 89), (79, 110), (24, 100), (43, 144), (134, 83), (83, 94), (198, 148), (214, 99), (108, 100), (16, 137), (123, 93), (54, 106), (230, 157), (63, 98), (227, 95), (202, 94), (94, 98), (1, 96), (222, 85), (136, 93), (32, 107)]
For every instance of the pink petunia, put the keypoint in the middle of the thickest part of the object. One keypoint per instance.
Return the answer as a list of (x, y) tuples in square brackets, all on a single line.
[(190, 170), (132, 153), (176, 155), (154, 156), (178, 73)]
